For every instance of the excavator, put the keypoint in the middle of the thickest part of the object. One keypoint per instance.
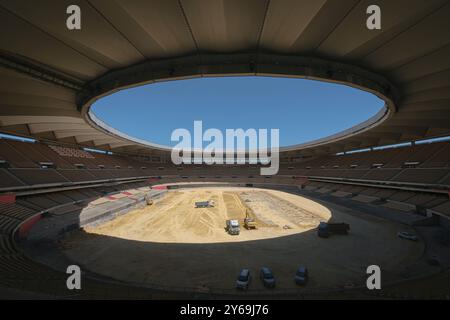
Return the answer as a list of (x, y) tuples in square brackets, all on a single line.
[(249, 223)]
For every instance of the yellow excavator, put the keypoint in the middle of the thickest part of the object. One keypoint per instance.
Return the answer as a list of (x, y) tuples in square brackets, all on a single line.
[(249, 223)]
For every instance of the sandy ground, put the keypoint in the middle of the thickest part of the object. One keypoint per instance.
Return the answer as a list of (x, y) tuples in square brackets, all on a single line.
[(175, 218), (173, 244)]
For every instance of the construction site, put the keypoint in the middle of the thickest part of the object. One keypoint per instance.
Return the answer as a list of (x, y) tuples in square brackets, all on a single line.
[(95, 95), (175, 245)]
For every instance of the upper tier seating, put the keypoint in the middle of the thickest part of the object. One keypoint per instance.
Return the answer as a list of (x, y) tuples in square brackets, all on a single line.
[(77, 175), (59, 161), (38, 176), (439, 159), (71, 152), (14, 157), (422, 175)]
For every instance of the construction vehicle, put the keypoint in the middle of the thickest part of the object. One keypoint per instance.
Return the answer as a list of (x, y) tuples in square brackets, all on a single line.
[(326, 229), (204, 204), (249, 223), (232, 227), (148, 199)]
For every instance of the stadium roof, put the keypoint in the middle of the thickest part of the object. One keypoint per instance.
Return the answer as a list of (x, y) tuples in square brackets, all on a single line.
[(50, 75)]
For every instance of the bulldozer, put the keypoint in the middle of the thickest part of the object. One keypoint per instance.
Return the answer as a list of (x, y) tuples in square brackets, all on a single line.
[(249, 223)]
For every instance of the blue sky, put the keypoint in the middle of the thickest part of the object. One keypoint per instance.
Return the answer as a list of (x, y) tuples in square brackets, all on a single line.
[(303, 110)]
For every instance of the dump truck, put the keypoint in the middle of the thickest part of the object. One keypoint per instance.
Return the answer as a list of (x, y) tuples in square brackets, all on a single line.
[(232, 227), (326, 229), (204, 204)]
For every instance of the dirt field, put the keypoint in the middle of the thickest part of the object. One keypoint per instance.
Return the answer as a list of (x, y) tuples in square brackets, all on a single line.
[(173, 244), (175, 218)]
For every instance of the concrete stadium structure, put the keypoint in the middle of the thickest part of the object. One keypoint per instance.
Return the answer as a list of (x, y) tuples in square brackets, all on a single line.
[(50, 76)]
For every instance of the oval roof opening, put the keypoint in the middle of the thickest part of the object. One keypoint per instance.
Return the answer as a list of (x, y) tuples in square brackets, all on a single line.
[(303, 110)]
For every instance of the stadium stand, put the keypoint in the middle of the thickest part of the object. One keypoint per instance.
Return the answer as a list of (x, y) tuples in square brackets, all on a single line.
[(8, 180), (13, 157), (16, 269), (38, 176), (349, 176), (77, 175), (422, 175), (380, 174), (355, 166), (50, 79), (440, 159), (71, 152)]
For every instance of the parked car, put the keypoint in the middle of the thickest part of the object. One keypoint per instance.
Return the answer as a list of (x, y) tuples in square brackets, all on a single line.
[(325, 229), (301, 275), (244, 279), (267, 277), (407, 235)]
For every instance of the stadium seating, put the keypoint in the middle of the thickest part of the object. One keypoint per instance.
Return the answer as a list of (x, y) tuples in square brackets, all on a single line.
[(18, 270), (380, 174), (422, 175), (440, 159), (431, 165), (8, 180), (71, 152), (38, 176), (419, 165), (77, 175), (13, 157)]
